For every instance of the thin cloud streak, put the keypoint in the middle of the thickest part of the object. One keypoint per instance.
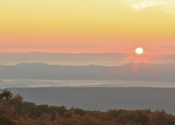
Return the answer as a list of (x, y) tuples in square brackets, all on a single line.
[(145, 4), (166, 5)]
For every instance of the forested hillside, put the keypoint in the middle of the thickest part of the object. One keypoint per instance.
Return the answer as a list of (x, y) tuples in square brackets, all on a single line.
[(15, 111)]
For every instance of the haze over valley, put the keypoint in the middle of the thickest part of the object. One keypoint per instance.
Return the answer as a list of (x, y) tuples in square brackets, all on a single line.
[(127, 75)]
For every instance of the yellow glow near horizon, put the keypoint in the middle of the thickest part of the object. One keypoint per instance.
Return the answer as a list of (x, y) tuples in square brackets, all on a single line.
[(89, 25)]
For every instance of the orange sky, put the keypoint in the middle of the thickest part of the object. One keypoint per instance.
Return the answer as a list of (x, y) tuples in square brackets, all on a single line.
[(87, 26)]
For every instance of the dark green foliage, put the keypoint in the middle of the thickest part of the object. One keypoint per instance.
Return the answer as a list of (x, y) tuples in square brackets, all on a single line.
[(6, 121), (5, 94), (79, 112), (61, 110)]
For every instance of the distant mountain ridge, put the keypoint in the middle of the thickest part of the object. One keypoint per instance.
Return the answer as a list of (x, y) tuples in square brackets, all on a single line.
[(106, 58), (131, 71), (63, 58)]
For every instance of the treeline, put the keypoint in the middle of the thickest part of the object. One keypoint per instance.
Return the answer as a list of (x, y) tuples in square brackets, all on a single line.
[(15, 111)]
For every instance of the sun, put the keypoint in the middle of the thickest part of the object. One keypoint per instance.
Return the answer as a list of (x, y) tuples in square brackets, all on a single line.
[(139, 50)]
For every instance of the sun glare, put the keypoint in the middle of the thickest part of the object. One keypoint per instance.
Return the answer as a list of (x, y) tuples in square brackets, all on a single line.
[(139, 50)]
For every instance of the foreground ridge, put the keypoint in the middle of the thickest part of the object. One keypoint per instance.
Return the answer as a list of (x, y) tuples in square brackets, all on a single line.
[(15, 111)]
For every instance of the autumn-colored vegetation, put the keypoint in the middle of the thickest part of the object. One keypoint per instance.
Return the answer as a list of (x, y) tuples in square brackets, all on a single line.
[(15, 111)]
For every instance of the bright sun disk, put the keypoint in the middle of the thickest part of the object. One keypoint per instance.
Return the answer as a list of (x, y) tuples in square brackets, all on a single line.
[(139, 50)]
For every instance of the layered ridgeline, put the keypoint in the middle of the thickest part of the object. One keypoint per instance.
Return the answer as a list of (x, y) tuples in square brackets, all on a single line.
[(132, 71), (15, 111)]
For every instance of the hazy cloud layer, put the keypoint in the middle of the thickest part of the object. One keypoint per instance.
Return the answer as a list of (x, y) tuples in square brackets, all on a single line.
[(105, 59)]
